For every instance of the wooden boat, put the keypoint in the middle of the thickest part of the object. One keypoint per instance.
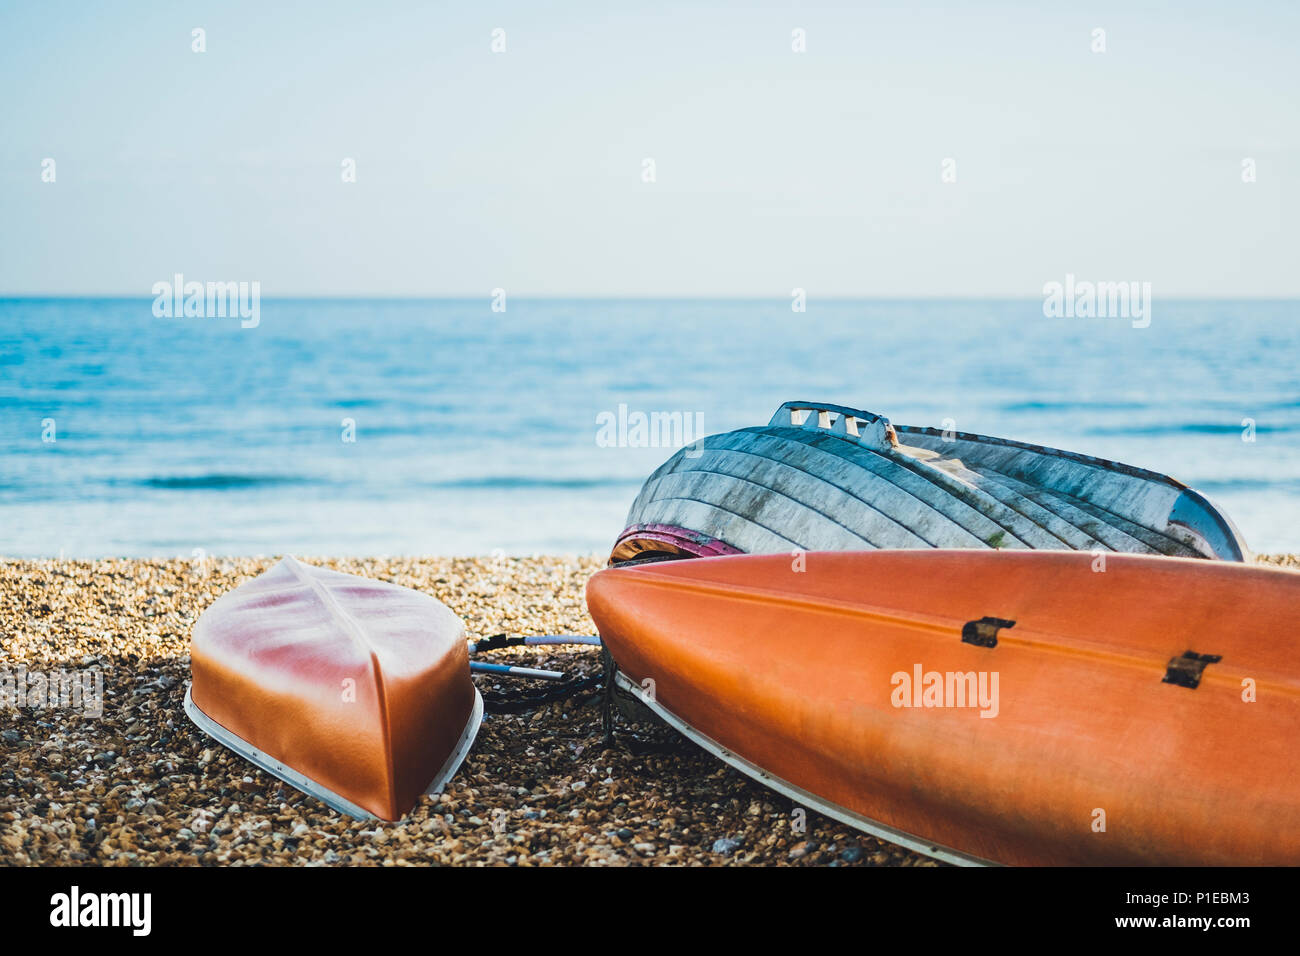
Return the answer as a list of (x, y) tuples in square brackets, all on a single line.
[(353, 690), (823, 477), (1017, 707)]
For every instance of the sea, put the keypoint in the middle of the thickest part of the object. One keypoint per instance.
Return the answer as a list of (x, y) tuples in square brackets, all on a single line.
[(382, 427)]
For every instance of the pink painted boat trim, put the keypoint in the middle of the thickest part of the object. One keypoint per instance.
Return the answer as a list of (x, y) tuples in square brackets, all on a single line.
[(677, 538)]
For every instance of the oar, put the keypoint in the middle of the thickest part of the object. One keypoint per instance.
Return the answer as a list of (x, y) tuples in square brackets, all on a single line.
[(508, 670), (501, 640)]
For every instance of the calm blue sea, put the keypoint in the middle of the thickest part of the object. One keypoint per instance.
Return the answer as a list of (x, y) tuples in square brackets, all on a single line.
[(476, 431)]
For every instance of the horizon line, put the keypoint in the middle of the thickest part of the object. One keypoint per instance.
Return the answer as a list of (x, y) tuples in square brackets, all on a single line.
[(635, 297)]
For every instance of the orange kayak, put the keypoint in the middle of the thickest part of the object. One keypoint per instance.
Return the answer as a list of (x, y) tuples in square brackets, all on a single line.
[(1031, 707), (353, 690)]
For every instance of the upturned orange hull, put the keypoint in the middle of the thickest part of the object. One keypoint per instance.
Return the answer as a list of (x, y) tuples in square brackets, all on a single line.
[(1012, 707), (354, 690)]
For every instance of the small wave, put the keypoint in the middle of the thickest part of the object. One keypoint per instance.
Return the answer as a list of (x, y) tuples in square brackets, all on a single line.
[(1187, 428), (1066, 406), (1219, 486), (514, 482), (216, 481)]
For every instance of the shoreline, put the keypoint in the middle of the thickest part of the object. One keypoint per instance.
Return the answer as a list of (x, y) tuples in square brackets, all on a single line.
[(141, 785)]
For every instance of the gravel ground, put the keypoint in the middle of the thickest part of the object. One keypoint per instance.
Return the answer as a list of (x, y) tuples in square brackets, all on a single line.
[(141, 785)]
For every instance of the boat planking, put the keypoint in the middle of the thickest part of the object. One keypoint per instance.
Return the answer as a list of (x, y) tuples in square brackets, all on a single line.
[(824, 477)]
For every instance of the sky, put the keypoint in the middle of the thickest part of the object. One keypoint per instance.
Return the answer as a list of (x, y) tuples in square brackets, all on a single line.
[(773, 170)]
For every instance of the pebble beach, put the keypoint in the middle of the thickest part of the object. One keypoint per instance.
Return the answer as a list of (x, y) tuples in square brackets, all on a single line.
[(140, 785)]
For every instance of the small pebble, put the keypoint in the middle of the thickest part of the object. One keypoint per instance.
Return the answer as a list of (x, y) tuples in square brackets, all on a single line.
[(802, 849)]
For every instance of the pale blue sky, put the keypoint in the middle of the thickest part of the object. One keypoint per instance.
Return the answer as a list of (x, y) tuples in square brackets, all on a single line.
[(523, 170)]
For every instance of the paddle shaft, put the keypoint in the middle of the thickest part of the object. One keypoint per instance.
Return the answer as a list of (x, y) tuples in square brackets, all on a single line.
[(506, 670)]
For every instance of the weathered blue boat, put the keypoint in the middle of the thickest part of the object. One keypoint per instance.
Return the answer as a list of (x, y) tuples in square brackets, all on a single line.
[(824, 477)]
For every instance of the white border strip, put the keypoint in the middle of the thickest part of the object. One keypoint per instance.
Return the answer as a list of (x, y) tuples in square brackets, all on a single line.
[(462, 748), (798, 794)]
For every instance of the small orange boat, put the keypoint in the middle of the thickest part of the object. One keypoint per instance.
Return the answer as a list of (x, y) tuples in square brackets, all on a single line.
[(1026, 707), (353, 690)]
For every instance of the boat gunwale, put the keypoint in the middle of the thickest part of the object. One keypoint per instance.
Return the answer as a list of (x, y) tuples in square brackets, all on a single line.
[(1132, 471)]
